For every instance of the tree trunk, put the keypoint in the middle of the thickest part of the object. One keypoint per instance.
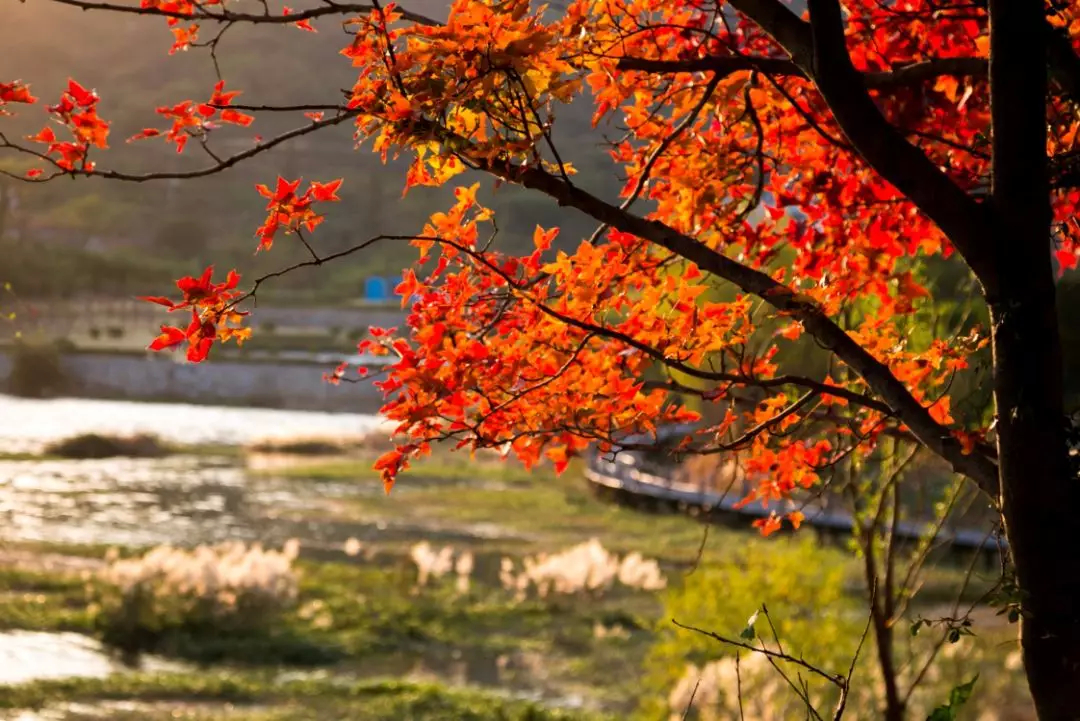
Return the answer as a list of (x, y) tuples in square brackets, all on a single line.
[(1039, 501), (1039, 498)]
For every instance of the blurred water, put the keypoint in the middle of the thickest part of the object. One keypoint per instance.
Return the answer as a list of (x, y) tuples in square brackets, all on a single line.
[(186, 500), (27, 425), (30, 656)]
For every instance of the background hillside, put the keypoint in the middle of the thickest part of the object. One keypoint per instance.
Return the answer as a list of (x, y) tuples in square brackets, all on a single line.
[(134, 236)]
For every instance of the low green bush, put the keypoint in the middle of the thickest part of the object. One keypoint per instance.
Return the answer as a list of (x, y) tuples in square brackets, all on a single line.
[(93, 445)]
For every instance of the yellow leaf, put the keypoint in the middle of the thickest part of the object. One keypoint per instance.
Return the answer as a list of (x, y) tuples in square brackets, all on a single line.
[(947, 85)]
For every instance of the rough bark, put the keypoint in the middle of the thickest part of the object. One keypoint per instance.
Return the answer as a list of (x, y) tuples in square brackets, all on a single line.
[(1038, 496)]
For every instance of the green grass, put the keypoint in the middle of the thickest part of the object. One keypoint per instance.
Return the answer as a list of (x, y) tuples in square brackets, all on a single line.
[(540, 511), (371, 616), (43, 602), (300, 700), (351, 468)]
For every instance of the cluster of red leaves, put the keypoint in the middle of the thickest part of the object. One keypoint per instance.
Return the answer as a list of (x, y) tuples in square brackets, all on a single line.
[(194, 120), (491, 72), (177, 7), (184, 36), (854, 236), (289, 211), (77, 111), (15, 92), (546, 353), (213, 315), (488, 360)]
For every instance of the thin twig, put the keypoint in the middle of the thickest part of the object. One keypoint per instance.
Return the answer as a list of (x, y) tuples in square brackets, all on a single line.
[(834, 679), (690, 703)]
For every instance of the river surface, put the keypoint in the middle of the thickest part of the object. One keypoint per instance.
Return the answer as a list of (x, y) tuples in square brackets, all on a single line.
[(27, 425), (178, 500), (187, 500), (31, 656)]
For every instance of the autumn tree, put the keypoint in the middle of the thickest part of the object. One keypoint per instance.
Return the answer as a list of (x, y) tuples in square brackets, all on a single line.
[(790, 175)]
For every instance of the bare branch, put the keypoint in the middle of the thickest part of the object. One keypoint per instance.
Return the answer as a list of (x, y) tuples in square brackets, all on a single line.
[(329, 9), (835, 679), (725, 65), (221, 165)]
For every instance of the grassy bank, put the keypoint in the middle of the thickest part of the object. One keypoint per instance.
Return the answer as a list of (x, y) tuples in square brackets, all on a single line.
[(264, 697), (370, 618)]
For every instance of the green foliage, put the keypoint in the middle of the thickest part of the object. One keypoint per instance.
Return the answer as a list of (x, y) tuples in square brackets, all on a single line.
[(958, 696), (299, 700), (801, 585)]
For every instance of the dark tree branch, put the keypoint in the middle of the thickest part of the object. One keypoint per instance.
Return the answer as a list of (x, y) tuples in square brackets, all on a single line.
[(329, 9), (903, 75), (820, 51), (217, 167), (834, 678)]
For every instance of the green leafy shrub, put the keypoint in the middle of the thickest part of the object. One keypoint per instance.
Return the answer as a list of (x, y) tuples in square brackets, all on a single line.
[(801, 585)]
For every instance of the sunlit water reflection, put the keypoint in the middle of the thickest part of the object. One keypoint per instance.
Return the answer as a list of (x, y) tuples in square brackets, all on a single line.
[(30, 655), (26, 425), (184, 501)]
